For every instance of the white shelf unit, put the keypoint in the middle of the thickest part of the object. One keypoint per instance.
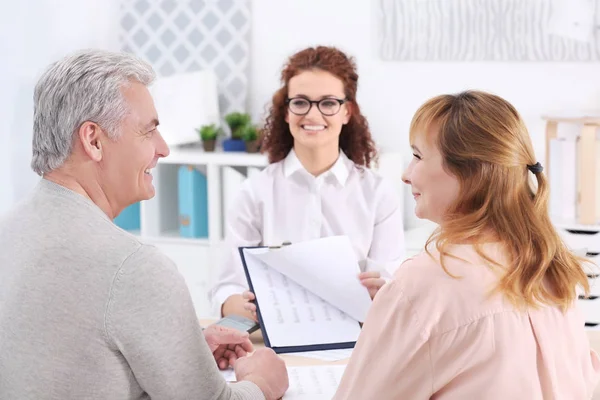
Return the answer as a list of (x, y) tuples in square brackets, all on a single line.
[(573, 226), (159, 216), (587, 162), (584, 240)]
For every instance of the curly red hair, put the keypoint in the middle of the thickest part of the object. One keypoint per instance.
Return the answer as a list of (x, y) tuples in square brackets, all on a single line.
[(355, 138)]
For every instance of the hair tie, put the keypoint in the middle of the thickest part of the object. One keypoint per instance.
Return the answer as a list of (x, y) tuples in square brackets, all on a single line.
[(535, 168)]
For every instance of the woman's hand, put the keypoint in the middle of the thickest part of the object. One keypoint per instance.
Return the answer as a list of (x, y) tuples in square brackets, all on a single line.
[(239, 304), (248, 296), (372, 280)]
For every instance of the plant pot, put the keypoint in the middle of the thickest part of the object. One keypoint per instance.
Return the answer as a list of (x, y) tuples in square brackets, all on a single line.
[(209, 145), (234, 145), (252, 146)]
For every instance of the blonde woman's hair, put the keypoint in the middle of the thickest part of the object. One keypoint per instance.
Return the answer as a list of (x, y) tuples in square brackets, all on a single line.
[(485, 145)]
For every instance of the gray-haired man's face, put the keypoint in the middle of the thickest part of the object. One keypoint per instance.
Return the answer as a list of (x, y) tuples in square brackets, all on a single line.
[(128, 162)]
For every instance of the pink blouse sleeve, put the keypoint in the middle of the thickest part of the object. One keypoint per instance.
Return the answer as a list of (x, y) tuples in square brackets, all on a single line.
[(392, 358)]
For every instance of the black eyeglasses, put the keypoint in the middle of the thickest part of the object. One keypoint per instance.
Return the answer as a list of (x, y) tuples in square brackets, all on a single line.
[(328, 106)]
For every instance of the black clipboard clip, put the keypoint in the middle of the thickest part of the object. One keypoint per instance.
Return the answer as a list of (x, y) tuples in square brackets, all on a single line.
[(286, 243)]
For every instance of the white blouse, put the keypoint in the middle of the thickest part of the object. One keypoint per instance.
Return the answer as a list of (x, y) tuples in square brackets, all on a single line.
[(285, 202)]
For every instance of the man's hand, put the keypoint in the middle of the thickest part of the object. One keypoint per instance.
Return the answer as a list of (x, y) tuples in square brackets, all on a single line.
[(372, 280), (267, 370), (227, 345)]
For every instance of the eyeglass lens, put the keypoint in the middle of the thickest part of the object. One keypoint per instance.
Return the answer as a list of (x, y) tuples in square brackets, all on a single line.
[(326, 106)]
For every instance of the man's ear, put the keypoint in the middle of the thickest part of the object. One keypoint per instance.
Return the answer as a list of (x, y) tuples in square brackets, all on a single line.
[(91, 136)]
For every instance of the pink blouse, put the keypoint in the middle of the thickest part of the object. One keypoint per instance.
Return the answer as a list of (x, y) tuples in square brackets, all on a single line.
[(431, 336)]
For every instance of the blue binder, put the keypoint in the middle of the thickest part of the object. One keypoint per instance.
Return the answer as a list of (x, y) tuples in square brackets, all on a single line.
[(129, 219), (193, 203), (263, 328)]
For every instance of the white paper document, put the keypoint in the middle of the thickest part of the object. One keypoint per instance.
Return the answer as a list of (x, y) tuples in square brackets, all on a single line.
[(308, 293), (294, 316), (327, 267), (314, 383), (307, 383), (228, 374), (325, 355)]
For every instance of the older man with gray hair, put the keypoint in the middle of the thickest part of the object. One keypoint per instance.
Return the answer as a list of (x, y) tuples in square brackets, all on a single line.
[(87, 311)]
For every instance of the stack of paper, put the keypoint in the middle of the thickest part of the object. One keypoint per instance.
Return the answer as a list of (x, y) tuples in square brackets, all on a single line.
[(314, 383)]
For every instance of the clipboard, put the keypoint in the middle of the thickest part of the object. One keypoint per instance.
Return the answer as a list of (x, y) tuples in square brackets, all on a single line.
[(265, 330)]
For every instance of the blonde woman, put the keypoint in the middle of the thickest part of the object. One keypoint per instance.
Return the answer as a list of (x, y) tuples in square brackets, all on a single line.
[(487, 311)]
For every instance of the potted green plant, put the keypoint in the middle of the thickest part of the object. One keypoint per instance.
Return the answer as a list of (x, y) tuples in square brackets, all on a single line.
[(250, 136), (236, 122), (209, 134)]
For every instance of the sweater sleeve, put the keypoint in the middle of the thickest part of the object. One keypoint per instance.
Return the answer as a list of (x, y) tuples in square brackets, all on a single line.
[(150, 320)]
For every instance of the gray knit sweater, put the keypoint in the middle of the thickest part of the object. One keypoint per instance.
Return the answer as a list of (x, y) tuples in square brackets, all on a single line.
[(89, 312)]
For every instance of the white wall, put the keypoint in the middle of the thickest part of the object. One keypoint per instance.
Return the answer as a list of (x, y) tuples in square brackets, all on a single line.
[(34, 34), (390, 92)]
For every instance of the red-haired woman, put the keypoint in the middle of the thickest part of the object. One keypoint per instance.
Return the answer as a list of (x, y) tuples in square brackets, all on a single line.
[(318, 183)]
